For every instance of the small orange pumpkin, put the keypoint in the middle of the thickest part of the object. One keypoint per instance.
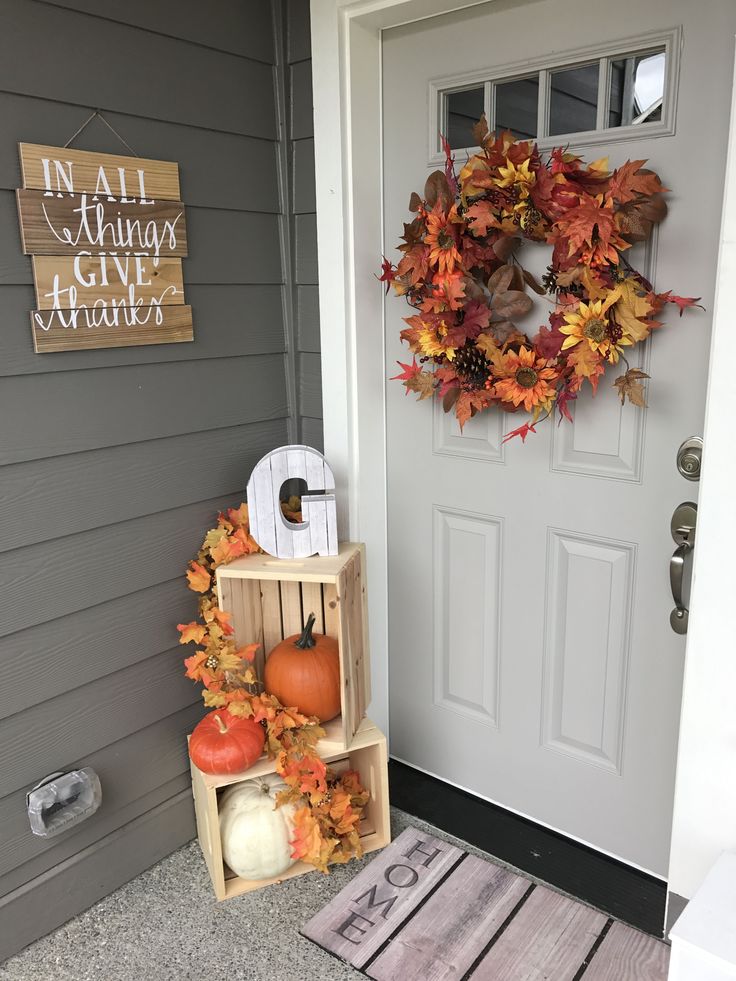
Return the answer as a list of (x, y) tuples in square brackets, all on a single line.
[(304, 671), (224, 743)]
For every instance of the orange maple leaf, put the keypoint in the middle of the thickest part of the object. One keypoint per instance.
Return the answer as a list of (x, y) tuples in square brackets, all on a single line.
[(230, 547), (213, 614), (307, 773), (344, 816), (350, 781), (482, 217), (591, 224), (468, 403), (199, 578), (248, 652), (415, 264), (449, 293), (191, 632), (307, 841), (239, 517), (630, 181), (586, 363)]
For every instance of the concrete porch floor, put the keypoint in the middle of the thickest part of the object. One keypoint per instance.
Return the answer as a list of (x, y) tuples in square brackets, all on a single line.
[(165, 925)]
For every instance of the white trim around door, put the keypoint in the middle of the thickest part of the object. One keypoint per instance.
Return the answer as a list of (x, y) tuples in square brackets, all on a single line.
[(346, 53)]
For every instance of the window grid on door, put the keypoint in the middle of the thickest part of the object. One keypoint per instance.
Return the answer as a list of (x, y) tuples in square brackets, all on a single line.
[(623, 91)]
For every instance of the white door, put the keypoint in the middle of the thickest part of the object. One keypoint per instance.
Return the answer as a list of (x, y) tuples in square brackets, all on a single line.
[(532, 660)]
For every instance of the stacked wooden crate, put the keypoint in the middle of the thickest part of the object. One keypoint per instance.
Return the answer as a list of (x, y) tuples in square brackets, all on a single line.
[(270, 599)]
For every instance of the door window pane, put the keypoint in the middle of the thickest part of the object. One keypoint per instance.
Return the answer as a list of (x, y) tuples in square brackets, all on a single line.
[(516, 106), (464, 109), (573, 103), (637, 89), (635, 96)]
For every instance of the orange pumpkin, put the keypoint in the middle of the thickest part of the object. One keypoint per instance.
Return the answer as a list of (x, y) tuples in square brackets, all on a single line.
[(304, 671), (224, 743)]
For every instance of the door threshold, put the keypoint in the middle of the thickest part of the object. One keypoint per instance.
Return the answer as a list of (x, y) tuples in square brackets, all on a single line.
[(627, 893)]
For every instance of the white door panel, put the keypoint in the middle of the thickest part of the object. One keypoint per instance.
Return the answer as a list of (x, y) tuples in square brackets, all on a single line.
[(531, 656)]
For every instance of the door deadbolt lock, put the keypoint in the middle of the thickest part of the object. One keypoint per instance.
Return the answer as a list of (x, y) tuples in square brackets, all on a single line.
[(689, 457)]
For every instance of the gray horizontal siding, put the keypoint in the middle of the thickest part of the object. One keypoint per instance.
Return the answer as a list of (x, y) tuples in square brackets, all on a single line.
[(303, 187), (49, 580), (308, 318), (69, 728), (50, 899), (92, 643), (310, 385), (217, 170), (232, 247), (135, 772), (77, 58), (305, 227), (312, 432), (302, 116), (67, 412), (103, 487), (304, 296), (298, 34), (240, 28), (230, 321)]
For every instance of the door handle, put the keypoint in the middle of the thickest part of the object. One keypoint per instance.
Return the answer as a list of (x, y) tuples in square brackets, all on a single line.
[(679, 616), (682, 527)]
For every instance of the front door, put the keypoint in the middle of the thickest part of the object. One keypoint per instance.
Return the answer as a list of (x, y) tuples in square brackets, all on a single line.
[(532, 661)]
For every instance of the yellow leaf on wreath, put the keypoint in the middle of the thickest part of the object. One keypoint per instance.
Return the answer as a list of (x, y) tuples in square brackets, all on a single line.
[(629, 310), (487, 344)]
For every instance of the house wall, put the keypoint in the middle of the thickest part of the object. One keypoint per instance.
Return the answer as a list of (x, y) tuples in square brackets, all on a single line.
[(113, 462), (300, 148)]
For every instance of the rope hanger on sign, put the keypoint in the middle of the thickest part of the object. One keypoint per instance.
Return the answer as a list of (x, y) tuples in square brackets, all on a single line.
[(112, 129)]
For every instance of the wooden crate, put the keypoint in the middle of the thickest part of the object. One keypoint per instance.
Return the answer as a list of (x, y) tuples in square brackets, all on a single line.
[(367, 755), (270, 599)]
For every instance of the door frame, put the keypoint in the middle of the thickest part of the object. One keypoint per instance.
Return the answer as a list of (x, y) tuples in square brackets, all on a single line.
[(347, 92)]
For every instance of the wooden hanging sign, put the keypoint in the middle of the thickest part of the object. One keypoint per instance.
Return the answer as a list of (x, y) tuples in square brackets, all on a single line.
[(107, 234), (64, 281), (47, 168), (83, 224)]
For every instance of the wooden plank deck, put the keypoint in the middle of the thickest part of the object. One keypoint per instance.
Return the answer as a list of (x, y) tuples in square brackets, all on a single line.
[(424, 910)]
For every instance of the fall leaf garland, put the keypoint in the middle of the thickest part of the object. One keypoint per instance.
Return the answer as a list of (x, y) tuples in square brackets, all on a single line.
[(459, 273), (326, 823)]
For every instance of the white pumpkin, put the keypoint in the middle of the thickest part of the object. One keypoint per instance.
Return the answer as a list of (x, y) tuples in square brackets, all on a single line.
[(255, 834)]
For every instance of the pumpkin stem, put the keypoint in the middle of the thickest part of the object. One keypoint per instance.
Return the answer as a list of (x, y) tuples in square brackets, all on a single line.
[(221, 724), (307, 640)]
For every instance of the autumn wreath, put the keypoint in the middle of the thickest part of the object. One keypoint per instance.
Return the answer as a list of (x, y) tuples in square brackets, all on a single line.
[(460, 275), (329, 807)]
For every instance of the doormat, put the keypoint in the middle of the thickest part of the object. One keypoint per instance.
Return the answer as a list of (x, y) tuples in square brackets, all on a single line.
[(427, 909)]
